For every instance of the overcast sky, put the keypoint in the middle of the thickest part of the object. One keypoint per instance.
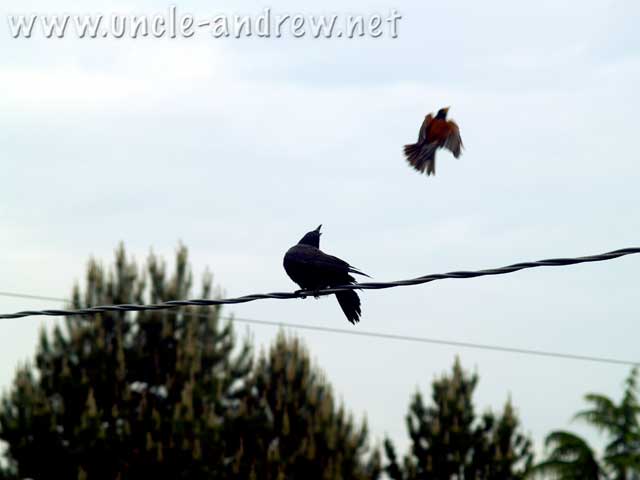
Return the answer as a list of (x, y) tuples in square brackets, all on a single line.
[(237, 147)]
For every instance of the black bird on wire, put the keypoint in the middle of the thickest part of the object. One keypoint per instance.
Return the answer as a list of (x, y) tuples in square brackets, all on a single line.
[(313, 269)]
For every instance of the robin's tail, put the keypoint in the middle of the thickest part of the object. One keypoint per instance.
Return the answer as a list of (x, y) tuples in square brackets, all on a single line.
[(350, 304), (422, 157)]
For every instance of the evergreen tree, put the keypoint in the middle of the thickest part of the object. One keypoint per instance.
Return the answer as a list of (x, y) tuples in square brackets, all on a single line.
[(503, 451), (298, 431), (128, 395), (5, 473), (448, 440)]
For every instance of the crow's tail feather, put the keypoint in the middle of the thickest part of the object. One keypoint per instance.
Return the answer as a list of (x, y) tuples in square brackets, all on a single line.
[(353, 269), (350, 304)]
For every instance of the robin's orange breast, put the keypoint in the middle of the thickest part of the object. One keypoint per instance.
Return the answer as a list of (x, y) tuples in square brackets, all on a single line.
[(439, 130)]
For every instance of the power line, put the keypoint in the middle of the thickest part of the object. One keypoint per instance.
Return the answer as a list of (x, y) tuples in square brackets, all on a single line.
[(554, 262), (411, 338), (32, 297), (391, 336)]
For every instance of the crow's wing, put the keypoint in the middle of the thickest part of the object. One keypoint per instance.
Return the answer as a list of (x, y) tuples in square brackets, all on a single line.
[(350, 268), (318, 262)]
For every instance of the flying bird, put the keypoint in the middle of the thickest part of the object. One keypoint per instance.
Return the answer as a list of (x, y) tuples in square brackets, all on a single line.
[(435, 132), (312, 269)]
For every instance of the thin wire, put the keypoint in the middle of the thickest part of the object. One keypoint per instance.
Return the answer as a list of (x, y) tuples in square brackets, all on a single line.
[(391, 336), (554, 262), (410, 338), (32, 297)]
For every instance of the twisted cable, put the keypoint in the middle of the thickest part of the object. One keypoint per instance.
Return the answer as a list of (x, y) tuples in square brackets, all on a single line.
[(553, 262)]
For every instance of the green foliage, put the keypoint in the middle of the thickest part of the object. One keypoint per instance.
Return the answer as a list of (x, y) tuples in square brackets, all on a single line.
[(128, 395), (170, 395), (301, 433), (448, 440), (620, 424), (5, 473), (570, 457)]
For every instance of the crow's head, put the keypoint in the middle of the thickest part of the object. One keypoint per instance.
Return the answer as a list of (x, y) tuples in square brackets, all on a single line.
[(442, 113), (312, 238)]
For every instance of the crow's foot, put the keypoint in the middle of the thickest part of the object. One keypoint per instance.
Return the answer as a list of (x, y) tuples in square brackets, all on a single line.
[(306, 293)]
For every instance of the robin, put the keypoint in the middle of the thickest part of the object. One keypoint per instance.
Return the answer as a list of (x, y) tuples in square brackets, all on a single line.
[(435, 132), (313, 269)]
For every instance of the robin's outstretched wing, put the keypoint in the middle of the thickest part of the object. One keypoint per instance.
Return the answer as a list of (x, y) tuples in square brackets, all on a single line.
[(424, 129), (453, 142)]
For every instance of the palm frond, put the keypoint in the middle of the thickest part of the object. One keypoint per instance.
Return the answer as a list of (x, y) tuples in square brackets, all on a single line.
[(603, 415), (570, 458)]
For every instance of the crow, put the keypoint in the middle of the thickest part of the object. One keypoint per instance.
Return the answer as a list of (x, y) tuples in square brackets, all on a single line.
[(434, 133), (313, 270)]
